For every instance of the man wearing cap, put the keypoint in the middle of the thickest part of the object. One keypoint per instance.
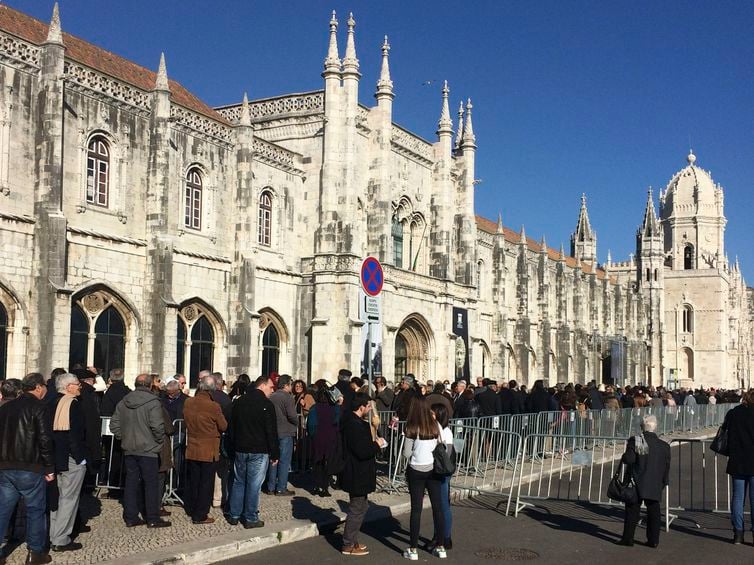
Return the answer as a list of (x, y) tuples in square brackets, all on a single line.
[(344, 386), (287, 423)]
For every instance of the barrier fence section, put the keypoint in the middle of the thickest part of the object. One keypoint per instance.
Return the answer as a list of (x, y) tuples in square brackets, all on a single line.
[(698, 481)]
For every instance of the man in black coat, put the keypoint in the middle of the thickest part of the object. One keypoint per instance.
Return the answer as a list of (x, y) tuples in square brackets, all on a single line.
[(488, 400), (114, 394), (539, 400), (359, 476), (739, 423), (648, 460), (510, 403)]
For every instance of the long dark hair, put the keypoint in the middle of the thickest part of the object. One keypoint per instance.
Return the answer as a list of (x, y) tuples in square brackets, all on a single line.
[(420, 423), (239, 387), (441, 415)]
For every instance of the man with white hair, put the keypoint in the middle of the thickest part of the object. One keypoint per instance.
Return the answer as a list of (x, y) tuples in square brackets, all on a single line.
[(648, 459), (69, 441)]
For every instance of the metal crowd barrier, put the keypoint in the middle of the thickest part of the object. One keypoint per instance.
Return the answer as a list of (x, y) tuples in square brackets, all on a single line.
[(698, 481)]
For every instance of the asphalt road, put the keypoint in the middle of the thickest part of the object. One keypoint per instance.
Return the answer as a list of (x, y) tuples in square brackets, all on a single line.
[(561, 532)]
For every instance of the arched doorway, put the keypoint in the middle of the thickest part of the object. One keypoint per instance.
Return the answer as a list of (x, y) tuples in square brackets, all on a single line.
[(607, 370), (273, 337), (98, 332), (413, 348)]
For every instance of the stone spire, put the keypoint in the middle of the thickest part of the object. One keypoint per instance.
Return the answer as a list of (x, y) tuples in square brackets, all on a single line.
[(499, 223), (650, 227), (584, 239), (543, 245), (562, 257), (350, 62), (459, 134), (609, 262), (245, 119), (385, 84), (161, 81), (468, 140), (332, 62), (55, 32), (522, 239), (445, 125)]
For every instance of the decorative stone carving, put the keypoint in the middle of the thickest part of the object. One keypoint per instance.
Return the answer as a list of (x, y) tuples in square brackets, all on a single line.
[(93, 302), (276, 156), (413, 145), (103, 84), (200, 123), (308, 103), (189, 313), (19, 50)]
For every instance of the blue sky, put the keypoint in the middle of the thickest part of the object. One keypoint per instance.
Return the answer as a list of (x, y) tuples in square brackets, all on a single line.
[(569, 97)]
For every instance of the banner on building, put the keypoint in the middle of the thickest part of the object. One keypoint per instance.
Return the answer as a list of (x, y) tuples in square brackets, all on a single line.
[(461, 357)]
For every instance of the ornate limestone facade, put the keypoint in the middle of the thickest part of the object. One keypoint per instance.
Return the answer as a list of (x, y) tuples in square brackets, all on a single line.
[(141, 228)]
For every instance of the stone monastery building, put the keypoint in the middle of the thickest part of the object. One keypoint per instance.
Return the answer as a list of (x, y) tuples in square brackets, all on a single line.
[(141, 228)]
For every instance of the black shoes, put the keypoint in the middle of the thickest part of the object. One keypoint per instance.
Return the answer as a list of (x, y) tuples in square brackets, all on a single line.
[(256, 524), (135, 524), (738, 537), (232, 521), (627, 543), (70, 546), (37, 558), (286, 492), (448, 543), (159, 524)]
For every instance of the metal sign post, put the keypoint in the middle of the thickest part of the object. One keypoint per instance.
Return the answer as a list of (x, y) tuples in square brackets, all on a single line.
[(370, 304)]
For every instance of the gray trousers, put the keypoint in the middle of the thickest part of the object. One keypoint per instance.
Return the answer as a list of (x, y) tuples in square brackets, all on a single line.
[(69, 487), (357, 509)]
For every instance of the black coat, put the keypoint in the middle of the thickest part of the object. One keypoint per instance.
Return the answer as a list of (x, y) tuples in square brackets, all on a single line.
[(464, 408), (113, 395), (650, 471), (509, 402), (345, 389), (71, 443), (253, 425), (174, 406), (26, 436), (359, 476), (489, 403), (538, 401), (92, 426), (740, 425)]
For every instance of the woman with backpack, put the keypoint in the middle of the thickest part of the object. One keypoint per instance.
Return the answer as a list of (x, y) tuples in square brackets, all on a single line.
[(422, 434)]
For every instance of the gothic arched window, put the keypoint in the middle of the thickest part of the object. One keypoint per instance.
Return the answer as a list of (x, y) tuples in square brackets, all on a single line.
[(195, 342), (397, 233), (193, 216), (264, 229), (3, 342), (98, 334), (98, 171), (270, 350), (688, 257)]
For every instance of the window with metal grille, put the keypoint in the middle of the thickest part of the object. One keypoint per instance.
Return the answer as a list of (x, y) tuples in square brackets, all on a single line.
[(193, 217), (98, 171), (264, 229)]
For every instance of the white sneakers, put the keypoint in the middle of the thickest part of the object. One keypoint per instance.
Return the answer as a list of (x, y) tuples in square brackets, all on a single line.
[(440, 552), (411, 554)]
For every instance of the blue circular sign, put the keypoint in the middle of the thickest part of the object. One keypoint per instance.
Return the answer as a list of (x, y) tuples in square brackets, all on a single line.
[(371, 276)]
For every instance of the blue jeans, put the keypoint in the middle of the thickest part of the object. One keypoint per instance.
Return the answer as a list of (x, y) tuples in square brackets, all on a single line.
[(32, 487), (250, 470), (445, 500), (740, 484), (277, 475)]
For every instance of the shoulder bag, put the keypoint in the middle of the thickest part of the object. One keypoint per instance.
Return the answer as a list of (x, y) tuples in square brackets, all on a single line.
[(623, 490), (720, 443)]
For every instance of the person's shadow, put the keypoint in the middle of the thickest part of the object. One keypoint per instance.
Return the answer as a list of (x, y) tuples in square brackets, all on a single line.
[(566, 523)]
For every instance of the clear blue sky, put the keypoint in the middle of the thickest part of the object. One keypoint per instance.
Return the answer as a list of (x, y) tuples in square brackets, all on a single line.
[(569, 97)]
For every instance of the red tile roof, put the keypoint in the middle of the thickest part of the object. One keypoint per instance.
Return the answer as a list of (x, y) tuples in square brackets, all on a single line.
[(511, 236), (34, 31)]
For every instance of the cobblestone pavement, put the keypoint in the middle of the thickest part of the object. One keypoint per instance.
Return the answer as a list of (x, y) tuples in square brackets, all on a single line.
[(110, 539)]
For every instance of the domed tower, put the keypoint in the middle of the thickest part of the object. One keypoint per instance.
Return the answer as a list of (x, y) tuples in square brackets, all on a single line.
[(691, 213)]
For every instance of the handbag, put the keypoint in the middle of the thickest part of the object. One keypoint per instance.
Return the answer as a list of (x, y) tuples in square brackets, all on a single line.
[(623, 490), (720, 443), (445, 459)]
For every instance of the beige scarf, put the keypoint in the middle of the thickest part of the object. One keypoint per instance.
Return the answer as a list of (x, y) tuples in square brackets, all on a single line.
[(62, 422)]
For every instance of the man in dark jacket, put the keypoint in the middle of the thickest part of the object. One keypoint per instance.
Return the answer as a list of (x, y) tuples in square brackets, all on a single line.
[(69, 440), (384, 395), (539, 400), (739, 422), (488, 400), (114, 394), (404, 398), (26, 462), (648, 458), (595, 401), (139, 424), (510, 402), (254, 437), (359, 476), (90, 408), (344, 386)]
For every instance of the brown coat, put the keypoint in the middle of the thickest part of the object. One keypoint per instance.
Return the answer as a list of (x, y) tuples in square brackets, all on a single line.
[(166, 454), (204, 424)]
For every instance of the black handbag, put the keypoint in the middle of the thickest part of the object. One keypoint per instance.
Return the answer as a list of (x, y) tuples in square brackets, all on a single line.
[(623, 490), (720, 443), (445, 459)]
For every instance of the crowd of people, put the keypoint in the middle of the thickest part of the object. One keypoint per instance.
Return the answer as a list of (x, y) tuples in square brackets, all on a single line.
[(229, 448)]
